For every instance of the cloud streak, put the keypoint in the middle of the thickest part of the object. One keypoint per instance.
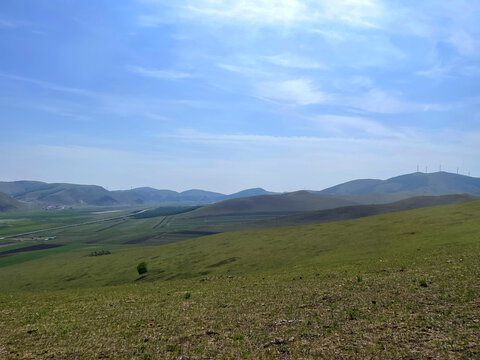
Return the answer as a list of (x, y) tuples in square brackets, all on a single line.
[(160, 74)]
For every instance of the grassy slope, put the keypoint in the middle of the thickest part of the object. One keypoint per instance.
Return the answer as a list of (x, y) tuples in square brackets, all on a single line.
[(358, 211), (337, 290), (7, 203), (290, 203), (270, 250)]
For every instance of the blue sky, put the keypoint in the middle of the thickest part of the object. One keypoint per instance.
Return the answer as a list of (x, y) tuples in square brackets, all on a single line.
[(225, 95)]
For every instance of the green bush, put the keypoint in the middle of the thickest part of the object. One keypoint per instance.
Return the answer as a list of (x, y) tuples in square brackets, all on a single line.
[(352, 313), (142, 268)]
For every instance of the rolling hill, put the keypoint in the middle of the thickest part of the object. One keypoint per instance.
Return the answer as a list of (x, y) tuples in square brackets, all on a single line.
[(366, 191), (358, 211), (67, 194), (438, 183), (290, 203), (40, 193), (7, 203)]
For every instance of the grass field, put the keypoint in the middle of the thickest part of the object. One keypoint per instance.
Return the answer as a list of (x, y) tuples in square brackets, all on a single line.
[(402, 285), (90, 228)]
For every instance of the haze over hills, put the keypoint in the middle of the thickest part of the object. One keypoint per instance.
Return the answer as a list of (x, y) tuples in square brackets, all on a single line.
[(437, 183)]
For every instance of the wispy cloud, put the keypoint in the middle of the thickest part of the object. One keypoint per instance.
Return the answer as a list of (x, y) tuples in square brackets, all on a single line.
[(379, 101), (353, 126), (291, 92), (49, 85), (191, 135), (436, 72), (243, 70), (293, 61), (265, 11), (58, 111), (465, 43), (160, 74), (330, 35), (357, 13), (12, 24)]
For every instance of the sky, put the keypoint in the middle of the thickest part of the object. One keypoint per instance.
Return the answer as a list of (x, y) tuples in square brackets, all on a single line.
[(225, 95)]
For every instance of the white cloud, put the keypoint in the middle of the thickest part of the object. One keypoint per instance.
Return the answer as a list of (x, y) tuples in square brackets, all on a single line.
[(292, 92), (160, 74)]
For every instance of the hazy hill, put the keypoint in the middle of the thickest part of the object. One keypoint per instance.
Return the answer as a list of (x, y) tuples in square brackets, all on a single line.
[(37, 192), (191, 196), (66, 194), (7, 203), (290, 203), (366, 191), (358, 211), (249, 192), (438, 183)]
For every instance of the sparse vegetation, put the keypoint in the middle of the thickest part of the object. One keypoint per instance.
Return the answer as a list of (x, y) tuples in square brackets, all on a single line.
[(100, 253)]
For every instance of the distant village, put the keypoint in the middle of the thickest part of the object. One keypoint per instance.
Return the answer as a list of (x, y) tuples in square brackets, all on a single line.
[(53, 207)]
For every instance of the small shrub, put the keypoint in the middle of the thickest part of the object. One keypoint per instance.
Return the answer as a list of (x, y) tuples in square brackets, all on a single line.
[(100, 253), (187, 295), (423, 283), (352, 313), (359, 278), (142, 268), (237, 337)]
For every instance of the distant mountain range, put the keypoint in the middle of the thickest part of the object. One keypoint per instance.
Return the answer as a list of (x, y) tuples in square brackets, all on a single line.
[(366, 191), (40, 193)]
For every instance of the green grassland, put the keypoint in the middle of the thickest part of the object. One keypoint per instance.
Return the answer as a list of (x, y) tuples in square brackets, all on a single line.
[(400, 285), (22, 222), (89, 228)]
